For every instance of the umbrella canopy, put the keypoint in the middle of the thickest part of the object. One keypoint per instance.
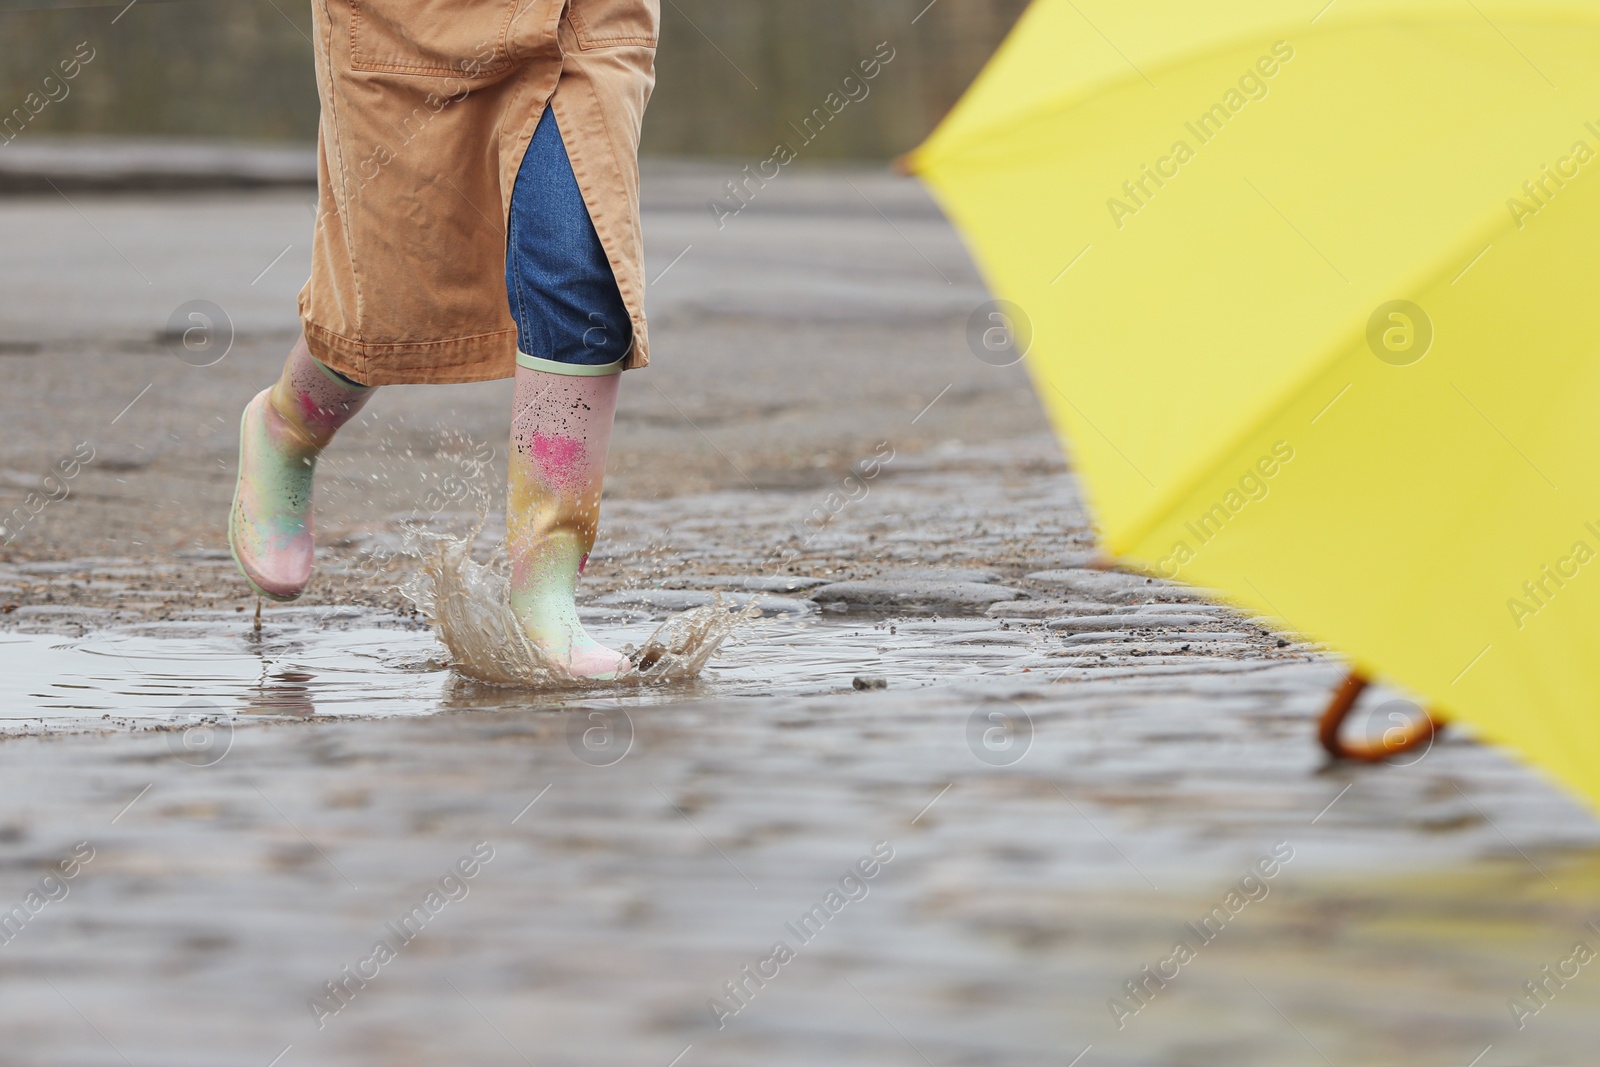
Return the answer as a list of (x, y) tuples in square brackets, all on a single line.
[(1311, 295)]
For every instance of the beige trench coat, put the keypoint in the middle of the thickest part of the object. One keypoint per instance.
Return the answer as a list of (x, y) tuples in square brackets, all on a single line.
[(427, 109)]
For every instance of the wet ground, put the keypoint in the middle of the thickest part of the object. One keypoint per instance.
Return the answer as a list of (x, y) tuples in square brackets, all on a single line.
[(1054, 773)]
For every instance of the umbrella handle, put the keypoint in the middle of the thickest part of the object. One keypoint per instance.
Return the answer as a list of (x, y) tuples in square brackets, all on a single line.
[(1339, 709)]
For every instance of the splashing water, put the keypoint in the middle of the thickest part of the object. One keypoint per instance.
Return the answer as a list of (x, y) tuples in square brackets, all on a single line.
[(469, 604)]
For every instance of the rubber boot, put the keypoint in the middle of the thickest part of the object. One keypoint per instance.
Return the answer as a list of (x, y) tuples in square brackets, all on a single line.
[(560, 432), (282, 432)]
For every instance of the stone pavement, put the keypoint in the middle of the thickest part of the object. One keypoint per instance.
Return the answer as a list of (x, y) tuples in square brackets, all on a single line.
[(1064, 773)]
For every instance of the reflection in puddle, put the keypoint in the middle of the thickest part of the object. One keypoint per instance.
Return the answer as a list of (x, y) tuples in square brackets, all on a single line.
[(157, 674), (154, 673)]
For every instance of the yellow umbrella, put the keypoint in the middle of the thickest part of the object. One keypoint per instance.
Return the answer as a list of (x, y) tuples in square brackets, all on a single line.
[(1311, 293)]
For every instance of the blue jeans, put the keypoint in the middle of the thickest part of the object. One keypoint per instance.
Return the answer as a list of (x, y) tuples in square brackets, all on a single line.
[(563, 294)]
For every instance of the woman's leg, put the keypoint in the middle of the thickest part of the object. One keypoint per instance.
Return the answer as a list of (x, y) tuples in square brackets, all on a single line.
[(573, 333), (283, 431), (560, 432)]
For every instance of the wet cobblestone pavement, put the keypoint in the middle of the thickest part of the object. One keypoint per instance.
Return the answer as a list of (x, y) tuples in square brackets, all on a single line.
[(1142, 768), (976, 789)]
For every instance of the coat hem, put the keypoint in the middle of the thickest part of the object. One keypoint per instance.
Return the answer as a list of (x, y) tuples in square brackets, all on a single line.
[(480, 358)]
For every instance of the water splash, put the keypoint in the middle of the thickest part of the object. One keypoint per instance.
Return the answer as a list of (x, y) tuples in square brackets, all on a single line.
[(469, 604)]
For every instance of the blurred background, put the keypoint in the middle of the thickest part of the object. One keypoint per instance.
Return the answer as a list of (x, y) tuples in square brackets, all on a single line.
[(732, 73)]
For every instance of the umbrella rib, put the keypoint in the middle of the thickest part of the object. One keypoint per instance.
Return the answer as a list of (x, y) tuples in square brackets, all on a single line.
[(1140, 528)]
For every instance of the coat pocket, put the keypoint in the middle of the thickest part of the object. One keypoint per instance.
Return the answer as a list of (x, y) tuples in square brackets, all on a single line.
[(464, 39), (610, 23)]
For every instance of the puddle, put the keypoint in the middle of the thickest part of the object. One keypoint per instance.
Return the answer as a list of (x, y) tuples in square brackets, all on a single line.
[(967, 599), (158, 673), (152, 675)]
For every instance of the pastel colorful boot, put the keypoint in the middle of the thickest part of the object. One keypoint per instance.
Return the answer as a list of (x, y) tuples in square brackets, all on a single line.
[(560, 432), (282, 432)]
